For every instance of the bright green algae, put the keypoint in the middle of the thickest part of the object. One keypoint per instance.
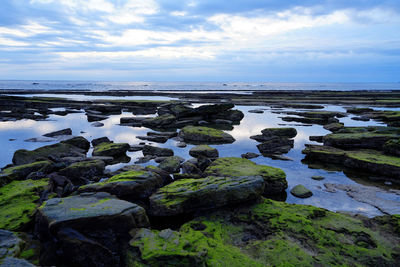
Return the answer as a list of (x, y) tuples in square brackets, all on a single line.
[(18, 203), (20, 172), (201, 130), (272, 234)]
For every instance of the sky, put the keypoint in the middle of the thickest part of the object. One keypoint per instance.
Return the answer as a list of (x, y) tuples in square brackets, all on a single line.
[(194, 40)]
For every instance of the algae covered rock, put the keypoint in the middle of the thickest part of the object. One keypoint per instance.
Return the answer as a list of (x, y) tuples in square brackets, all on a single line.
[(274, 178), (157, 151), (130, 185), (18, 203), (201, 134), (55, 152), (190, 195), (301, 191), (22, 171), (204, 150), (83, 171), (160, 121), (271, 233), (87, 229), (171, 164), (282, 132), (392, 147), (111, 149)]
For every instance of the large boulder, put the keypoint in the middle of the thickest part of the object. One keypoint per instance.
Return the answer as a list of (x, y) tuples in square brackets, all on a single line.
[(22, 171), (204, 151), (171, 164), (392, 147), (200, 134), (78, 141), (131, 185), (160, 121), (274, 178), (54, 152), (190, 195), (86, 230), (111, 149), (84, 171), (18, 203), (100, 140), (214, 108), (281, 132), (271, 233), (275, 145)]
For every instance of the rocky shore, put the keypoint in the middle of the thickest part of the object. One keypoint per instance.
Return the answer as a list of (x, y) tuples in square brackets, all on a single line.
[(61, 205)]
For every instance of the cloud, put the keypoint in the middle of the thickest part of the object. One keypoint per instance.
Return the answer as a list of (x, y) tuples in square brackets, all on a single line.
[(212, 36)]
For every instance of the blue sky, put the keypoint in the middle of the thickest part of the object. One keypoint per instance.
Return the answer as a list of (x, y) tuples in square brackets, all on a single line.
[(211, 40)]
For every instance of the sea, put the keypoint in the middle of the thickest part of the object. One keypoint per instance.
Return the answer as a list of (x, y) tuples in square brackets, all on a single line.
[(189, 86)]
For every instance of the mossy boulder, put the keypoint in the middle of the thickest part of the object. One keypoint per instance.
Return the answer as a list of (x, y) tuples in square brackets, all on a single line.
[(204, 151), (366, 160), (22, 171), (84, 171), (55, 152), (392, 147), (301, 191), (130, 185), (78, 141), (201, 134), (282, 132), (334, 127), (275, 145), (86, 229), (171, 164), (165, 120), (157, 151), (271, 233), (190, 195), (18, 203), (274, 178), (111, 149), (368, 139)]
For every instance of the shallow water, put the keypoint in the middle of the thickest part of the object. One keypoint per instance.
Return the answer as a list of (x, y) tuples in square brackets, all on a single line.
[(252, 124)]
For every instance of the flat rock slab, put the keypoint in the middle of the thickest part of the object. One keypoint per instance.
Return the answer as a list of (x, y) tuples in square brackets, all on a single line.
[(370, 195), (189, 195), (201, 134), (274, 178)]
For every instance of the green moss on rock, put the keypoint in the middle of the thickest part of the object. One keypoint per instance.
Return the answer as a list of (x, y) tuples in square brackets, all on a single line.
[(200, 134), (111, 149), (18, 203), (22, 171), (274, 178)]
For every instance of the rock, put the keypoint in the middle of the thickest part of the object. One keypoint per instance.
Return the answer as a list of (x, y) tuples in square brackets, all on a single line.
[(272, 233), (370, 161), (171, 164), (135, 148), (190, 168), (301, 191), (95, 117), (274, 178), (214, 109), (165, 176), (157, 151), (250, 155), (67, 131), (392, 147), (144, 159), (156, 139), (200, 134), (317, 177), (10, 244), (334, 127), (132, 185), (318, 138), (233, 115), (166, 120), (164, 134), (18, 203), (281, 132), (54, 152), (111, 149), (100, 140), (279, 157), (159, 159), (203, 150), (369, 139), (43, 139), (21, 172), (84, 171), (132, 121), (97, 124), (190, 195), (359, 110), (256, 111), (14, 262), (79, 142), (373, 196), (276, 145), (181, 144), (310, 120), (361, 118), (87, 229)]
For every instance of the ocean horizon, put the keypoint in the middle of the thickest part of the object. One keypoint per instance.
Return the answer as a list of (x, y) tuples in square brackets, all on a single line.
[(191, 86)]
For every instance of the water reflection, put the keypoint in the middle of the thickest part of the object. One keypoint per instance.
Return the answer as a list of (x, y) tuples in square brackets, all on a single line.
[(252, 124)]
